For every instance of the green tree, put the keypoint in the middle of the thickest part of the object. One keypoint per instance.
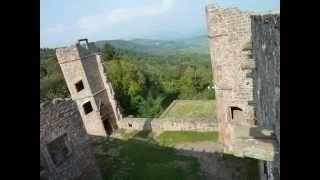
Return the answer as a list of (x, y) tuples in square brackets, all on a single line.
[(108, 52), (52, 84), (128, 83), (151, 106)]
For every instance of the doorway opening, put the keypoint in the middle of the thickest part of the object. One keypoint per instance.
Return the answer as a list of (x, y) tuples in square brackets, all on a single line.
[(105, 118), (107, 126)]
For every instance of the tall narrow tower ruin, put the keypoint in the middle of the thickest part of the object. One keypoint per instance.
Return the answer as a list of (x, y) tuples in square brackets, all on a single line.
[(230, 41), (83, 72), (245, 55)]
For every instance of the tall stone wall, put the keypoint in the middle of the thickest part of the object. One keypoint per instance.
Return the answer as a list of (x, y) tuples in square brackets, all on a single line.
[(114, 108), (82, 63), (231, 43), (266, 52), (73, 71), (61, 118), (229, 31), (159, 125)]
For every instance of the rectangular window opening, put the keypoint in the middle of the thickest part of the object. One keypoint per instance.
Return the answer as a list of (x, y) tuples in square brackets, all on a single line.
[(83, 43), (58, 150), (87, 107), (129, 124), (79, 86)]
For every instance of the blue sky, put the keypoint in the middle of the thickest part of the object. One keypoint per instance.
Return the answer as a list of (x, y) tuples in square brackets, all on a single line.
[(62, 22)]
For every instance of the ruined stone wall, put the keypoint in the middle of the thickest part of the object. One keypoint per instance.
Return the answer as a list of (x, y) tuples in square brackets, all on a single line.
[(266, 52), (235, 73), (58, 118), (73, 71), (185, 124), (229, 30), (90, 65), (110, 93), (159, 125), (266, 43), (82, 62)]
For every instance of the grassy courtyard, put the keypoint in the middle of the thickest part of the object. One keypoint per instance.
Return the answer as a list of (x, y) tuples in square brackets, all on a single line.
[(170, 137), (136, 160), (175, 137), (191, 108), (126, 158)]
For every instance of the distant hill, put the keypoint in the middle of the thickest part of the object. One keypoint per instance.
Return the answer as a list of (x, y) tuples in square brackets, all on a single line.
[(197, 44)]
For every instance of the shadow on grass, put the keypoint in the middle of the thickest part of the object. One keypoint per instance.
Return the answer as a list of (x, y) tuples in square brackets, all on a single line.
[(137, 160)]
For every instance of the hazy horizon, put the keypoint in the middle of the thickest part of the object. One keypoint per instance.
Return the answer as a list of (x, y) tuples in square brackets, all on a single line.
[(64, 22)]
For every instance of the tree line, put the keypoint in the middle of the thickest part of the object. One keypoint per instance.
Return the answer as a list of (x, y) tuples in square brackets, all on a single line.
[(144, 84)]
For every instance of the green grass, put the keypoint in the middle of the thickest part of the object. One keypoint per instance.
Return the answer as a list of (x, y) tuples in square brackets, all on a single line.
[(170, 137), (130, 159), (192, 108), (145, 134), (127, 134), (252, 166), (139, 160), (174, 137)]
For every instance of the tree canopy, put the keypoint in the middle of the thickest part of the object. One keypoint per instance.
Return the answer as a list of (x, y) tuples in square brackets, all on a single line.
[(144, 84)]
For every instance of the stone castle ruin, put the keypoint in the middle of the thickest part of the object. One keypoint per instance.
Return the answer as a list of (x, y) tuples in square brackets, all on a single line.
[(93, 93), (65, 150), (245, 57), (84, 75)]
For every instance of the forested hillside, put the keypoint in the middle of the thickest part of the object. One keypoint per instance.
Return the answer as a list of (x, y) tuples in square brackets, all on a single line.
[(198, 44), (146, 79)]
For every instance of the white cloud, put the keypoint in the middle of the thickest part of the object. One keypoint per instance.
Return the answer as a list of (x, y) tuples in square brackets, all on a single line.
[(58, 28), (104, 20)]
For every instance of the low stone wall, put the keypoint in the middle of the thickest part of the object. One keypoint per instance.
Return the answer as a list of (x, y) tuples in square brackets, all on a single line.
[(135, 124), (159, 125)]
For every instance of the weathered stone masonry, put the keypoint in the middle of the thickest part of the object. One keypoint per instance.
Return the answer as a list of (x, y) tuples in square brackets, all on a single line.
[(61, 120), (84, 75), (247, 87), (247, 84), (158, 125), (266, 52), (229, 30)]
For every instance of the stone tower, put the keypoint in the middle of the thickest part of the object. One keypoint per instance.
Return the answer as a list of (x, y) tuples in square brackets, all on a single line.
[(229, 32), (84, 75), (245, 57)]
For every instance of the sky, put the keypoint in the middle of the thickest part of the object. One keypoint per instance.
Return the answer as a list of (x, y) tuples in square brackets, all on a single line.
[(63, 22)]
